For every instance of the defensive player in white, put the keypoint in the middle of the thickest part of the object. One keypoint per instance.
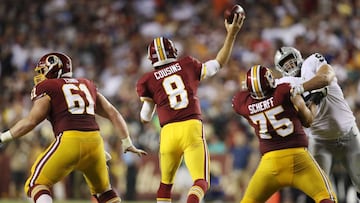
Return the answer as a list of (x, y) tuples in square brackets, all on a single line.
[(334, 135)]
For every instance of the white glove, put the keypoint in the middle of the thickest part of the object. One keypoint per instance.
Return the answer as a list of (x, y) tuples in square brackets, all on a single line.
[(107, 156), (126, 143), (299, 89)]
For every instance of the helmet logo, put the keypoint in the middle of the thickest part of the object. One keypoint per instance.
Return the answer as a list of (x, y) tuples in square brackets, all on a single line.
[(53, 65)]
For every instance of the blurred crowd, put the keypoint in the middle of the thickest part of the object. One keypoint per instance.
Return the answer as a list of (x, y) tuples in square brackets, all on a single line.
[(107, 41)]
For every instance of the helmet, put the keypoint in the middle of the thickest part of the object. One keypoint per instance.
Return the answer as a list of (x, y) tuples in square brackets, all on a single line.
[(288, 61), (161, 51), (53, 65), (259, 81)]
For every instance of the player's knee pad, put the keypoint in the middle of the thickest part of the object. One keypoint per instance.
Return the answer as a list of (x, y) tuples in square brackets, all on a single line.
[(109, 197), (37, 190)]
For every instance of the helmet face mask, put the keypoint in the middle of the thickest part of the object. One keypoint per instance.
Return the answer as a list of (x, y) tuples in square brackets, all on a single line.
[(53, 65), (288, 61), (260, 82), (161, 51)]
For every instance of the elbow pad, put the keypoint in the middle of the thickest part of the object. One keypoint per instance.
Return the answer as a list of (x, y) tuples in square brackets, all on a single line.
[(210, 68)]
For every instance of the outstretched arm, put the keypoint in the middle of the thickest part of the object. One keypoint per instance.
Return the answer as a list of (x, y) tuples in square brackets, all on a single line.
[(37, 114), (323, 78), (222, 57), (105, 109), (232, 31)]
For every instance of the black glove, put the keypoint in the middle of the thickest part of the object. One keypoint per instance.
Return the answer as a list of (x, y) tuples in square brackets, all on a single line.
[(315, 96), (2, 145)]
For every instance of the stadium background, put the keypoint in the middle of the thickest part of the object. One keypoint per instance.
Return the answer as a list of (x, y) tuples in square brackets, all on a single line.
[(107, 41)]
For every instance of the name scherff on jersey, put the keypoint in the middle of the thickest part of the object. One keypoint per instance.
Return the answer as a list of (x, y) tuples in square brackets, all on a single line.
[(260, 106)]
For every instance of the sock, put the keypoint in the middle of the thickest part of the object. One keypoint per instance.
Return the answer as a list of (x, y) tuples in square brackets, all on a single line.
[(45, 198), (164, 193), (197, 191)]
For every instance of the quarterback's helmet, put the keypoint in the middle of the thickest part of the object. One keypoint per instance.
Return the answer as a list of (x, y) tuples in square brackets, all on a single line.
[(288, 61), (53, 65), (259, 81), (161, 51)]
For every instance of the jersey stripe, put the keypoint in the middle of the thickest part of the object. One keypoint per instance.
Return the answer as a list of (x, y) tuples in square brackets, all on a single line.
[(43, 161)]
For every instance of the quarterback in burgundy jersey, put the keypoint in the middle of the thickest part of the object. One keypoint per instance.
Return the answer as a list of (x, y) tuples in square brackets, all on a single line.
[(171, 89), (174, 90), (70, 105), (277, 119)]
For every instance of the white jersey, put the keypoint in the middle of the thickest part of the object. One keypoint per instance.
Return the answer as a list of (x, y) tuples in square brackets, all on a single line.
[(334, 117)]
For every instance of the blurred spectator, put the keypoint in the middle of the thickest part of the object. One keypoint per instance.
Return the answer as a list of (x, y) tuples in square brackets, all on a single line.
[(109, 43)]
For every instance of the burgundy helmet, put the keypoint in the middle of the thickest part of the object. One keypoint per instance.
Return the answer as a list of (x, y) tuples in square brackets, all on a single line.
[(53, 65), (161, 51), (259, 81)]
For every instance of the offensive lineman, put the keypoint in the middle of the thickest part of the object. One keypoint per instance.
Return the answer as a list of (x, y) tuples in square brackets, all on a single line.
[(277, 118), (70, 104)]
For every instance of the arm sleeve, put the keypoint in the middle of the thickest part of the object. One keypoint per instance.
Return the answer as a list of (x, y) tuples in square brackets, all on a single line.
[(147, 110), (210, 68)]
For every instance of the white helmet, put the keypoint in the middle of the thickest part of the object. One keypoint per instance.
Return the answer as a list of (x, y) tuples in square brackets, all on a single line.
[(288, 61)]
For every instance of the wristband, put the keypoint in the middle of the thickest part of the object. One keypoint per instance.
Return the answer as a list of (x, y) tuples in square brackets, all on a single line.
[(301, 89), (6, 136), (107, 156), (126, 143)]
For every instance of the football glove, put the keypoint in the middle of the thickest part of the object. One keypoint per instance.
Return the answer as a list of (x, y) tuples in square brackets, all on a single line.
[(298, 89), (315, 96)]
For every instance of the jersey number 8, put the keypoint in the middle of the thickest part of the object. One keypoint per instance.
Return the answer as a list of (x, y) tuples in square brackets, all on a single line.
[(177, 94)]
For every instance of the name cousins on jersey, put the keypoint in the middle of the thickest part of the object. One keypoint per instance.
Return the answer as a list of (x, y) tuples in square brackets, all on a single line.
[(167, 71), (260, 106)]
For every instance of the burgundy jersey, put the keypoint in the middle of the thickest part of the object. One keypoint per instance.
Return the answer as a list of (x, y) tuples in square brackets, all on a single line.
[(73, 103), (173, 88), (274, 119)]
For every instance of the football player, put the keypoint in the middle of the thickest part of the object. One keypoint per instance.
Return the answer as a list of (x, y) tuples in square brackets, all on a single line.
[(277, 118), (334, 135), (171, 88), (70, 104)]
